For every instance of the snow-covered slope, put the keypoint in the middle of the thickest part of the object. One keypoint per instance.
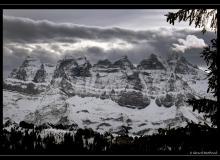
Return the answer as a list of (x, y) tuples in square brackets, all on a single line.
[(116, 97)]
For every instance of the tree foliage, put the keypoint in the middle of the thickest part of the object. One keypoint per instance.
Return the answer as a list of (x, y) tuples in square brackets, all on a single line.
[(201, 18), (167, 141), (210, 56)]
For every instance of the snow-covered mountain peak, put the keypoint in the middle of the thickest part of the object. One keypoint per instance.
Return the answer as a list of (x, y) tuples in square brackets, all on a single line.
[(153, 56), (78, 58), (81, 60), (180, 65), (103, 64), (125, 57), (31, 58), (27, 70), (72, 67), (153, 62), (123, 63), (31, 61)]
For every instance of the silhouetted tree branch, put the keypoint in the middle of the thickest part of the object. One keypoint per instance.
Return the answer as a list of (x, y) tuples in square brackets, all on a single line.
[(201, 18)]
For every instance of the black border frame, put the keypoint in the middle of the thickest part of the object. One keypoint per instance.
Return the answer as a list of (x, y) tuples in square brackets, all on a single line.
[(106, 6)]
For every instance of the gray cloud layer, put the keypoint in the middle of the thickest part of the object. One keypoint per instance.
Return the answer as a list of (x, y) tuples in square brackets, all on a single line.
[(23, 36), (134, 19), (27, 30)]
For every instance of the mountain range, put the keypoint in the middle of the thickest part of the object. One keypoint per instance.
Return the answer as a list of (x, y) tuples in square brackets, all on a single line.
[(118, 97)]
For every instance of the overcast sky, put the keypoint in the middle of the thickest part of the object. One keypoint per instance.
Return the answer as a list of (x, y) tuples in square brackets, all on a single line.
[(97, 34)]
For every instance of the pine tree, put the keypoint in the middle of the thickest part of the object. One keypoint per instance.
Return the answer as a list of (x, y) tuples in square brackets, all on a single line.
[(203, 18)]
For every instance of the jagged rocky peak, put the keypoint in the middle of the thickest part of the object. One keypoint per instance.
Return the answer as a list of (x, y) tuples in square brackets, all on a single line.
[(76, 60), (66, 62), (82, 61), (19, 73), (151, 63), (123, 63), (174, 58), (180, 65), (183, 60), (31, 61), (72, 66), (27, 69), (103, 64)]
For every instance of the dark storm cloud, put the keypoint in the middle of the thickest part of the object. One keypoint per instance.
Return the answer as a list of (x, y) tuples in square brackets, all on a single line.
[(95, 50), (25, 30), (24, 37), (134, 19)]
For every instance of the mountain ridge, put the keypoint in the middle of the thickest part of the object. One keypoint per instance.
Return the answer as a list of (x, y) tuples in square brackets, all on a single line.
[(152, 84)]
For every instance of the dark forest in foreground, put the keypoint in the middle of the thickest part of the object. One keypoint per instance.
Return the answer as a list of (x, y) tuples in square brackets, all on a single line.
[(192, 139)]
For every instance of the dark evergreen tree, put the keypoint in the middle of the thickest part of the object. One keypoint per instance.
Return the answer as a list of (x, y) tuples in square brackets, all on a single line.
[(198, 17)]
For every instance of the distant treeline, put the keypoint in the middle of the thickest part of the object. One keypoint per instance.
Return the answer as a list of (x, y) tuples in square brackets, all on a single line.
[(190, 139)]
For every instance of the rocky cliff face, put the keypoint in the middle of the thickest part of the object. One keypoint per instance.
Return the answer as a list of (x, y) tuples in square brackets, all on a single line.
[(31, 77), (70, 68), (103, 64), (27, 70), (180, 65), (151, 63), (123, 63), (40, 75), (75, 92)]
